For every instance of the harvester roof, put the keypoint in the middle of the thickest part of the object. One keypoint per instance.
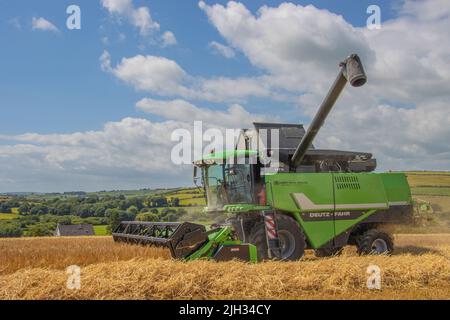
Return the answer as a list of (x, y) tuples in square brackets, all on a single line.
[(220, 156)]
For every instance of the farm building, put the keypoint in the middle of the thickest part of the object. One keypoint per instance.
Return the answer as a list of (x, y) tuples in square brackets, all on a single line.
[(74, 230)]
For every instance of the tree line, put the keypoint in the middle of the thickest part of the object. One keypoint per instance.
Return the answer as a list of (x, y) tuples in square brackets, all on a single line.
[(39, 217)]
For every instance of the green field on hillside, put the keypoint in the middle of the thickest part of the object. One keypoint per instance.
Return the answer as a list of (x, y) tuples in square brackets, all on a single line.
[(100, 230), (429, 183), (8, 216), (188, 196), (431, 191)]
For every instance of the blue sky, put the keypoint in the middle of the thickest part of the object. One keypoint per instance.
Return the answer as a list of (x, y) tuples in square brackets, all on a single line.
[(52, 83), (73, 100)]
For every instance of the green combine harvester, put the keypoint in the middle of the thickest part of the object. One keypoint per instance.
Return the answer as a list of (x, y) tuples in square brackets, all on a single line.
[(316, 199)]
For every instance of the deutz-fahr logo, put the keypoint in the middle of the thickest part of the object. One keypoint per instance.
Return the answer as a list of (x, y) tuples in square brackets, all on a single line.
[(338, 215)]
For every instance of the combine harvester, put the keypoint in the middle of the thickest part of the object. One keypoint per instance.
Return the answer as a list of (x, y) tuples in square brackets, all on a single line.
[(317, 199)]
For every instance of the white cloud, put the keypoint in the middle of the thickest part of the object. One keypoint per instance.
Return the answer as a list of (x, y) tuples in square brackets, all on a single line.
[(132, 152), (222, 89), (164, 77), (430, 10), (118, 6), (180, 110), (401, 114), (43, 25), (105, 61), (168, 39), (289, 38), (140, 17), (221, 49), (151, 73)]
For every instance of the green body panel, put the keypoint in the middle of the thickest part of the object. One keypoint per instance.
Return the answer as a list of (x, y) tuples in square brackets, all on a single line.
[(214, 239), (221, 237), (253, 253), (359, 191), (281, 186), (279, 193), (396, 186), (342, 200)]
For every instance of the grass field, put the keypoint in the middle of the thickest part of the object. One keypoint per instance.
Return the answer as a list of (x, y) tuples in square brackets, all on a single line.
[(435, 179), (100, 230), (8, 216), (419, 269), (188, 196), (429, 183), (431, 191), (432, 188)]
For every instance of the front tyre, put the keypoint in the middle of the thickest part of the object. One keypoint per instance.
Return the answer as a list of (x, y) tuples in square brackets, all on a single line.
[(292, 239), (375, 242)]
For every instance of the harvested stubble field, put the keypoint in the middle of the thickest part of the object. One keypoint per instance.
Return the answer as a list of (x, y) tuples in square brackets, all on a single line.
[(35, 269)]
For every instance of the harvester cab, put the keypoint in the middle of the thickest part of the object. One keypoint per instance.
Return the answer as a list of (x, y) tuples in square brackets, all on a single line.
[(315, 199)]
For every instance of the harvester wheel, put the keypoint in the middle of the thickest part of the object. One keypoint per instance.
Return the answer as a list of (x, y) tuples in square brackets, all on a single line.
[(375, 242), (327, 252), (292, 239)]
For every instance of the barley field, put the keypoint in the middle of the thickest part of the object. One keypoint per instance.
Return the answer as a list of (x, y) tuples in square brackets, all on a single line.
[(35, 268)]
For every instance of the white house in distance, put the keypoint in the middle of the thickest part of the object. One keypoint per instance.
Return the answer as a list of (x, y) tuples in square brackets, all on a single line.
[(74, 230)]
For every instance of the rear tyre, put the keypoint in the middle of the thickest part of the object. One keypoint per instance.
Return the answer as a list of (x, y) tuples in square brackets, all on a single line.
[(328, 252), (375, 242), (292, 239)]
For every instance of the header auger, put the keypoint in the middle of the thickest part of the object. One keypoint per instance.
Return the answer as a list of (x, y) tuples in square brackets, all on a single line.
[(317, 199)]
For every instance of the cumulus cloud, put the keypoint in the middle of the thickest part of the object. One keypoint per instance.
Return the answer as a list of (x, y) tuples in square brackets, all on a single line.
[(132, 152), (289, 38), (168, 39), (151, 73), (164, 77), (42, 24), (401, 115), (234, 117), (221, 49), (298, 48), (139, 17), (105, 61)]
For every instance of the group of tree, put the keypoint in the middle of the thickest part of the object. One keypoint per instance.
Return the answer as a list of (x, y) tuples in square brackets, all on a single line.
[(39, 216), (43, 225), (7, 206), (92, 206)]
